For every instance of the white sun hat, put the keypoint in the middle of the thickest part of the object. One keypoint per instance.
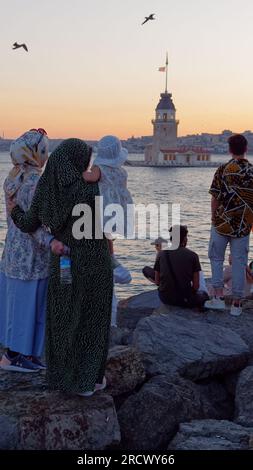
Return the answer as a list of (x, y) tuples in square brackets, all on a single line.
[(110, 152)]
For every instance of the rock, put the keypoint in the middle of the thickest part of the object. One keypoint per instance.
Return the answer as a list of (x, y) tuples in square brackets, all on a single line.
[(10, 381), (129, 317), (120, 336), (56, 421), (145, 300), (243, 398), (137, 308), (124, 370), (216, 401), (230, 382), (9, 432), (194, 349), (212, 435), (149, 418)]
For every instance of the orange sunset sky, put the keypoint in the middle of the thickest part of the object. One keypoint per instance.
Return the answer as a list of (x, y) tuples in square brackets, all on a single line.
[(92, 69)]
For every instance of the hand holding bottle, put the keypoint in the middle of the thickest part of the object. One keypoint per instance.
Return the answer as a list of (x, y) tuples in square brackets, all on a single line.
[(58, 248)]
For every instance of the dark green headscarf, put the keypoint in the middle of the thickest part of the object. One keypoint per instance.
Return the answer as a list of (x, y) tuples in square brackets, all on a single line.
[(58, 187)]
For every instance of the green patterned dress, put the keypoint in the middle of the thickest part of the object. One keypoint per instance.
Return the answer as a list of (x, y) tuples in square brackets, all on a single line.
[(78, 314)]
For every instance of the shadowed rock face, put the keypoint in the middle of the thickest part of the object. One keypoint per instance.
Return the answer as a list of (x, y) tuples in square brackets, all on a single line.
[(244, 398), (212, 435), (191, 363), (34, 418), (149, 418), (124, 370), (132, 310), (193, 349), (43, 420)]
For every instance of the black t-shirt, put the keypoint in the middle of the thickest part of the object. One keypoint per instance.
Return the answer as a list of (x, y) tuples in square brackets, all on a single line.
[(184, 263)]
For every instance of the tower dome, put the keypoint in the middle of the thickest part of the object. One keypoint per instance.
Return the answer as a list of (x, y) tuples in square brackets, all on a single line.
[(165, 110), (166, 102)]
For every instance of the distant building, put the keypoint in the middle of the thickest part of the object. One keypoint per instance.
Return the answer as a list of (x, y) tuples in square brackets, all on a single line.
[(184, 157), (166, 149), (165, 128)]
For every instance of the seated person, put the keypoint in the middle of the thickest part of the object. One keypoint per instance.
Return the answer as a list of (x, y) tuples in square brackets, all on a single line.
[(177, 274), (149, 272), (227, 276)]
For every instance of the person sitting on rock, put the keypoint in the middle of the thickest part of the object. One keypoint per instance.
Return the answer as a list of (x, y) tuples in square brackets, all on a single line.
[(178, 274), (149, 272)]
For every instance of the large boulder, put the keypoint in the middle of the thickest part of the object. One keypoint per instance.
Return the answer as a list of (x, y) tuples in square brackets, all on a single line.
[(124, 370), (39, 420), (212, 435), (132, 310), (149, 300), (243, 398), (128, 317), (149, 418), (195, 349)]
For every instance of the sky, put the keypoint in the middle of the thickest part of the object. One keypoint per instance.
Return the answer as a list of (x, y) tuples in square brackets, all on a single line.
[(92, 69)]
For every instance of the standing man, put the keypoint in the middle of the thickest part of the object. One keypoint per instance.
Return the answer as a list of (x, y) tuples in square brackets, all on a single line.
[(232, 218)]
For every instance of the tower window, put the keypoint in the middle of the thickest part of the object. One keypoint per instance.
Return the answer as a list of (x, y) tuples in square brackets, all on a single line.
[(165, 116)]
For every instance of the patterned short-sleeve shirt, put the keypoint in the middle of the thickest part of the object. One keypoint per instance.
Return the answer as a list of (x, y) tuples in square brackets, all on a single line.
[(232, 186)]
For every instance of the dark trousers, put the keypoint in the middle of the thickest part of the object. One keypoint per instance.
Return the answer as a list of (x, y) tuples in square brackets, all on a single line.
[(196, 299), (149, 273)]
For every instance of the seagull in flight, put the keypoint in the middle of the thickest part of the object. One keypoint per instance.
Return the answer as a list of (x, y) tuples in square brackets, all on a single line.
[(17, 46), (148, 18)]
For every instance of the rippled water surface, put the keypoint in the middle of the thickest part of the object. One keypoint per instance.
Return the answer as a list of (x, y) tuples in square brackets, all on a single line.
[(187, 186)]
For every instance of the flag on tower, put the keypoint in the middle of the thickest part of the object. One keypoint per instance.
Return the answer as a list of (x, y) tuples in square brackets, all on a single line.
[(162, 69)]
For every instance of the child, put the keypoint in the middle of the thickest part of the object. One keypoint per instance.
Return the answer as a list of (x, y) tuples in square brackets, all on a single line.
[(112, 179)]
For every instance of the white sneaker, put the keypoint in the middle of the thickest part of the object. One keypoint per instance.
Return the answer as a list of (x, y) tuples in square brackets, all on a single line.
[(235, 311), (98, 387), (101, 386), (216, 303), (86, 394)]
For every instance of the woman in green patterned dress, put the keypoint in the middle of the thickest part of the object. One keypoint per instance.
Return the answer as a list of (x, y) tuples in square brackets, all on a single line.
[(78, 314)]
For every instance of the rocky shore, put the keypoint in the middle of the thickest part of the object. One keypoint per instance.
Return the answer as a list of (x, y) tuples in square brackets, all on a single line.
[(177, 379)]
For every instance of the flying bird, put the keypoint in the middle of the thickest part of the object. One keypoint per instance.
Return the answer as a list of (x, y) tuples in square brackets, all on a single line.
[(148, 18), (17, 46)]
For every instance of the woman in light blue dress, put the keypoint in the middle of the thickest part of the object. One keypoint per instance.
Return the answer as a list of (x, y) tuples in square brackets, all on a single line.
[(25, 262)]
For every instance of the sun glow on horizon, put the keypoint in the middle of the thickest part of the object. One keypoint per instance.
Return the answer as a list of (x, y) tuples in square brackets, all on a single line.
[(92, 69)]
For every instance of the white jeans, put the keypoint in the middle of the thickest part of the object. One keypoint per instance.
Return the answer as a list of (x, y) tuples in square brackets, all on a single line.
[(121, 275), (239, 248)]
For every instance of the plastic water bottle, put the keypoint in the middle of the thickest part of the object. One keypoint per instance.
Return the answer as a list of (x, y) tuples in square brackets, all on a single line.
[(65, 270)]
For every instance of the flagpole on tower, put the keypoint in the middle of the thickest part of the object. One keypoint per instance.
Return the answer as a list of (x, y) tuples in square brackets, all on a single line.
[(166, 82)]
